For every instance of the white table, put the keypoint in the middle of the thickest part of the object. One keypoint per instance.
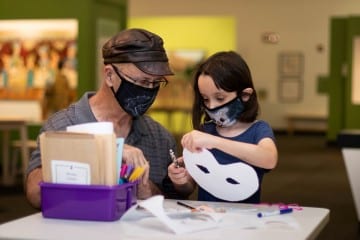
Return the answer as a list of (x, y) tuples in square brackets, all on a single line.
[(349, 141), (310, 223)]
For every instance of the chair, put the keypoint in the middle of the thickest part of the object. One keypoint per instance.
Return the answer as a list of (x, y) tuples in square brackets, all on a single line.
[(16, 145)]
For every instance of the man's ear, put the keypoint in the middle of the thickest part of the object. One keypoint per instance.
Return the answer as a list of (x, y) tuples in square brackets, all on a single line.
[(108, 76), (246, 93)]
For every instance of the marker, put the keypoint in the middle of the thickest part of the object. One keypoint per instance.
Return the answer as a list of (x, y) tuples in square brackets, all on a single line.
[(276, 212), (123, 170), (138, 171), (129, 170)]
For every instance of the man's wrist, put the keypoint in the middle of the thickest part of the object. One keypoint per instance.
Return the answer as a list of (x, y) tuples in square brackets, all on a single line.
[(147, 190)]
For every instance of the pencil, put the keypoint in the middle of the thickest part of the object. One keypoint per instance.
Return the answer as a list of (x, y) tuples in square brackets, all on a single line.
[(185, 205)]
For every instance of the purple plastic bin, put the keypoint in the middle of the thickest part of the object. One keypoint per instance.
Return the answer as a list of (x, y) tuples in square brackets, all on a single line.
[(86, 202)]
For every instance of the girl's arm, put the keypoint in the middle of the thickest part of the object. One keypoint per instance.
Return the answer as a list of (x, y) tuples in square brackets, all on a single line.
[(263, 154)]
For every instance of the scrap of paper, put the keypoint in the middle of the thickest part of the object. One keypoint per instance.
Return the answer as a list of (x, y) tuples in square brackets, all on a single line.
[(184, 222), (230, 182)]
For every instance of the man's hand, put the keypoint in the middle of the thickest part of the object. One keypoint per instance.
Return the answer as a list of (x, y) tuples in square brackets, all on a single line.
[(33, 188), (135, 157)]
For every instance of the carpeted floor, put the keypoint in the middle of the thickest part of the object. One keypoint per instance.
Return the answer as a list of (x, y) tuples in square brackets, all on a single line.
[(313, 174), (309, 173), (13, 204)]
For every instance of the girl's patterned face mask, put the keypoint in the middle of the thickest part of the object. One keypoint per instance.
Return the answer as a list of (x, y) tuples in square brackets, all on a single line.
[(227, 114)]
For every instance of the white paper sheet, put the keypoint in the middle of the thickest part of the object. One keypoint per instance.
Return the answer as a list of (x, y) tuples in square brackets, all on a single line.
[(92, 128), (137, 223), (180, 223), (230, 182)]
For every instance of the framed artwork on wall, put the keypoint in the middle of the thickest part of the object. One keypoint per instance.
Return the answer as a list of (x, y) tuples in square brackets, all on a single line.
[(38, 61), (290, 89), (291, 68), (291, 64)]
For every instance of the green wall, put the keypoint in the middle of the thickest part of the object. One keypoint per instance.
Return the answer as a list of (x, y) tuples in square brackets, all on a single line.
[(352, 111), (342, 113), (336, 80)]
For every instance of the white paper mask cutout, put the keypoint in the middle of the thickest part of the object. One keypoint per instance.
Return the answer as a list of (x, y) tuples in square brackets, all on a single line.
[(230, 182)]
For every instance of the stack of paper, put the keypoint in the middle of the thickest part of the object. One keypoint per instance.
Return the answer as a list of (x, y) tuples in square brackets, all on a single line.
[(84, 154)]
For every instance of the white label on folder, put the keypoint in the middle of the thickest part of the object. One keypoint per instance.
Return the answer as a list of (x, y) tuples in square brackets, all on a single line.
[(68, 172)]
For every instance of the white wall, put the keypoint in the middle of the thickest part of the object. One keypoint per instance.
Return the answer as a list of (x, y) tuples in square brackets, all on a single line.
[(302, 25)]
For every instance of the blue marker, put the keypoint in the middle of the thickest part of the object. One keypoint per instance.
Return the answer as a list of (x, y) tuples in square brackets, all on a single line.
[(276, 212)]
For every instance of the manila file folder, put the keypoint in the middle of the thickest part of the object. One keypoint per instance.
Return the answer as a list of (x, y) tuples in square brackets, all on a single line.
[(99, 151)]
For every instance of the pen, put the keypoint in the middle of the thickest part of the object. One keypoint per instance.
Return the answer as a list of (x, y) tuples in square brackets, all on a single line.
[(185, 205), (276, 212), (173, 157)]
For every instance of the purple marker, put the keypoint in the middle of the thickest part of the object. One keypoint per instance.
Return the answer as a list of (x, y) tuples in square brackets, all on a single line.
[(129, 170)]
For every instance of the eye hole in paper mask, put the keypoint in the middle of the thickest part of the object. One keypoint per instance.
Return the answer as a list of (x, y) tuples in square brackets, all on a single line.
[(202, 168), (232, 181), (205, 170), (222, 181)]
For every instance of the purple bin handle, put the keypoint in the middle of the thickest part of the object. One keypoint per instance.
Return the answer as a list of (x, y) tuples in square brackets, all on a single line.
[(128, 197)]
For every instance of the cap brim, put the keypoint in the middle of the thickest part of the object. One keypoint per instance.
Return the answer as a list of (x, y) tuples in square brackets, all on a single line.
[(155, 68)]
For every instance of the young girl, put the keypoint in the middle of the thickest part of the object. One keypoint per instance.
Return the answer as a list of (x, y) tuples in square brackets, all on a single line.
[(224, 118)]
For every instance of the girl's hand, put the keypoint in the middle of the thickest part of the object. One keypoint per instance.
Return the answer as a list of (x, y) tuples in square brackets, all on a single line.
[(195, 141), (181, 178), (178, 173)]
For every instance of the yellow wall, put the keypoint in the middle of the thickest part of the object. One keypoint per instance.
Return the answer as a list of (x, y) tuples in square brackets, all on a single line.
[(209, 33)]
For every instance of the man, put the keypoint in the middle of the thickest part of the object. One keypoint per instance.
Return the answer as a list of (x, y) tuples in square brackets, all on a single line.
[(135, 67)]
